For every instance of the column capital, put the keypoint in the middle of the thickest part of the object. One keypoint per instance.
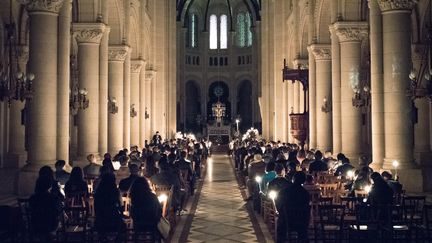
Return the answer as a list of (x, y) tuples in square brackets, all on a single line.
[(118, 53), (396, 5), (301, 63), (150, 74), (136, 65), (50, 6), (351, 31), (88, 33), (321, 51)]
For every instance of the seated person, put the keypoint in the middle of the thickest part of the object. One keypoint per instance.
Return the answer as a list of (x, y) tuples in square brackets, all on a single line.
[(165, 178), (91, 170), (45, 208), (343, 169), (280, 182), (293, 198), (318, 164), (310, 185), (381, 193), (76, 183), (269, 175), (394, 184), (291, 170), (60, 174), (126, 183)]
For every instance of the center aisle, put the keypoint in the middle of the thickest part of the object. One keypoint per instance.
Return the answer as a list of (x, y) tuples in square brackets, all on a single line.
[(221, 215)]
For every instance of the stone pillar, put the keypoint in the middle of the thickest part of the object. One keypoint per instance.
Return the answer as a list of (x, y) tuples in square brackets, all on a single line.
[(350, 36), (126, 100), (323, 123), (117, 56), (312, 101), (103, 92), (143, 105), (42, 149), (88, 37), (377, 85), (150, 77), (63, 82), (17, 155), (398, 132), (135, 88), (336, 92)]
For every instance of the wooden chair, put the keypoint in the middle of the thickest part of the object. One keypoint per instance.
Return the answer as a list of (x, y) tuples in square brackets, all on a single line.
[(418, 203), (428, 222), (331, 222), (296, 223), (24, 208), (367, 225), (399, 223), (74, 224), (360, 193), (126, 204)]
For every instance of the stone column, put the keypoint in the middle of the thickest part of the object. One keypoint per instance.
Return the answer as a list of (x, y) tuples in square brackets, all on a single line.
[(103, 92), (323, 123), (150, 77), (88, 37), (17, 155), (135, 89), (117, 56), (143, 105), (43, 31), (398, 132), (350, 36), (63, 82), (126, 100), (312, 101), (377, 84), (336, 92)]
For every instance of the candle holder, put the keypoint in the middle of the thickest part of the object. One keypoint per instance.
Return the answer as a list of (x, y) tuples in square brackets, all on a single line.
[(112, 105), (133, 112), (326, 107)]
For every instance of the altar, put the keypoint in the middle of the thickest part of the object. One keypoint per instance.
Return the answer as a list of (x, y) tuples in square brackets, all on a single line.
[(219, 132)]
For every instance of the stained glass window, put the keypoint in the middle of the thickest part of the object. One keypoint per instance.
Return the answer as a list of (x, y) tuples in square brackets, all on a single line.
[(240, 30), (248, 32), (213, 32), (194, 31), (223, 31)]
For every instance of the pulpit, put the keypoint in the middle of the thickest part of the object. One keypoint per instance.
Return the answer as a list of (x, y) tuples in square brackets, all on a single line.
[(299, 121)]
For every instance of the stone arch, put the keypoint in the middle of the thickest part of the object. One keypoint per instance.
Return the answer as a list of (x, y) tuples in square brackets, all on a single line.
[(115, 21), (224, 98), (245, 104), (192, 105), (323, 18), (135, 33)]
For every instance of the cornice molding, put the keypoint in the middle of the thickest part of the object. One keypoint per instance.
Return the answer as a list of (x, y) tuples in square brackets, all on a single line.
[(51, 6), (118, 53), (351, 31), (396, 5), (321, 51)]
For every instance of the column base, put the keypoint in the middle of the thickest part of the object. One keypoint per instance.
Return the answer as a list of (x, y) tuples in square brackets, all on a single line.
[(26, 179), (15, 160), (423, 158)]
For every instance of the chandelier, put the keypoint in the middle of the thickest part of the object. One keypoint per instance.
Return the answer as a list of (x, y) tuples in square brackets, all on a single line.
[(420, 81), (78, 97), (14, 84)]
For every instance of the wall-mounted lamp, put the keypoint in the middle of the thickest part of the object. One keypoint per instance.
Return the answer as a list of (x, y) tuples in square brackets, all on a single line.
[(146, 114), (361, 97), (133, 112), (112, 105), (326, 107)]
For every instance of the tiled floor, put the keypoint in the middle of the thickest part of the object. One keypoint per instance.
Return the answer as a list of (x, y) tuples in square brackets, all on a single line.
[(221, 215)]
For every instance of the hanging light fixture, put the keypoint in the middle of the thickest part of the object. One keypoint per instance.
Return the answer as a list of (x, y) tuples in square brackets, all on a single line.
[(78, 97), (14, 84)]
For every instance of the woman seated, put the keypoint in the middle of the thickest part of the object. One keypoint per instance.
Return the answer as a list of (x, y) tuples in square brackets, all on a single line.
[(76, 183), (108, 206), (146, 210)]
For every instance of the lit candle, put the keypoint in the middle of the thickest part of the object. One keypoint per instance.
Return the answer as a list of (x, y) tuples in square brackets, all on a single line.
[(258, 179), (350, 174), (367, 189), (162, 198), (272, 195), (395, 165)]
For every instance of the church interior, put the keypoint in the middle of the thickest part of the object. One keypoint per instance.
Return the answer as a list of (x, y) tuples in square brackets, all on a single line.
[(205, 107)]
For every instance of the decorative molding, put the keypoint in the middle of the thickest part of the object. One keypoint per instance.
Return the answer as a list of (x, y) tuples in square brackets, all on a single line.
[(351, 31), (396, 5), (150, 75), (88, 33), (118, 53), (321, 51), (136, 65), (52, 6), (301, 63)]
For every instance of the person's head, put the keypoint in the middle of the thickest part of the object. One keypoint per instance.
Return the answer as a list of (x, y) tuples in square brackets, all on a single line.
[(43, 184), (157, 132), (107, 156), (270, 166), (133, 169), (377, 178), (46, 171), (318, 155), (107, 184), (279, 169), (91, 158), (76, 174), (291, 166), (139, 190), (60, 164), (340, 157), (301, 155), (299, 178), (386, 175)]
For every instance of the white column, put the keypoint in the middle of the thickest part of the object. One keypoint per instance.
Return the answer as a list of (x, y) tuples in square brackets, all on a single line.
[(43, 31), (88, 37), (17, 155), (127, 102), (117, 56), (150, 77), (377, 85), (64, 40), (350, 36), (143, 105), (103, 92), (312, 101), (322, 53), (135, 88), (336, 92)]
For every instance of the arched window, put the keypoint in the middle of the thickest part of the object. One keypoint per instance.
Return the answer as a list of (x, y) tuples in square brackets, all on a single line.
[(213, 32), (248, 23), (240, 30), (193, 31), (223, 32)]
